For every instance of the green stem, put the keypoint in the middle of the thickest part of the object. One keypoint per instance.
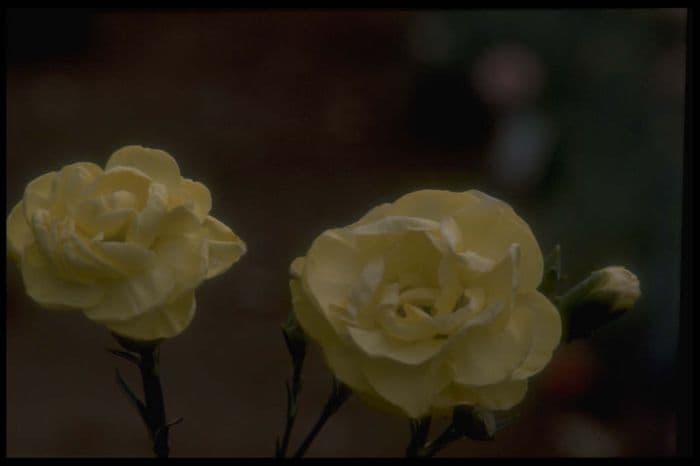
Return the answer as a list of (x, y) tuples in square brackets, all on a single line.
[(338, 397), (419, 435), (155, 404), (292, 396), (152, 410)]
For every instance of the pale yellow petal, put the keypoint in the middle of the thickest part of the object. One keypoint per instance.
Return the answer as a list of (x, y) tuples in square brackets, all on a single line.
[(432, 204), (19, 234), (453, 395), (127, 258), (488, 354), (43, 285), (157, 164), (345, 363), (38, 194), (395, 225), (166, 321), (225, 247), (450, 287), (501, 396), (490, 227), (158, 219), (412, 254), (124, 179), (410, 388), (199, 195), (72, 184), (374, 214), (95, 219), (501, 283), (296, 268), (363, 290), (136, 295), (312, 319), (79, 260), (332, 266), (546, 333), (178, 221), (187, 255), (378, 345), (72, 255)]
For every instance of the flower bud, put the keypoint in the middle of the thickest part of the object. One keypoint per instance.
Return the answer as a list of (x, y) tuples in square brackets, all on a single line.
[(617, 286), (603, 296)]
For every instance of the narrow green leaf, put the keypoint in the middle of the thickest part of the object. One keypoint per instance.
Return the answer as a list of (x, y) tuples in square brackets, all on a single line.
[(552, 273), (174, 422), (131, 396), (124, 355)]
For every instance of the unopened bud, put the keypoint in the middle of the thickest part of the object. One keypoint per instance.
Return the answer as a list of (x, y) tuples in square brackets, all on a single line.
[(603, 296), (617, 286)]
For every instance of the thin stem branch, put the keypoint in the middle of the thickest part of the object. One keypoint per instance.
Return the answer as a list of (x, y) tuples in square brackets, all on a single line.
[(338, 397), (152, 410), (292, 396), (155, 404), (420, 430)]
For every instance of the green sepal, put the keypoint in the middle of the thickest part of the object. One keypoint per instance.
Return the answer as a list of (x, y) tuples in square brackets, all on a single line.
[(474, 422), (552, 273), (295, 339), (137, 346), (125, 355)]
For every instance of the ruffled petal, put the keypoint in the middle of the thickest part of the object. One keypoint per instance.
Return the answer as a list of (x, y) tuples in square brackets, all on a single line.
[(296, 269), (488, 354), (501, 283), (134, 296), (377, 344), (188, 257), (126, 179), (375, 214), (44, 286), (489, 227), (198, 195), (37, 195), (127, 258), (19, 234), (166, 321), (410, 388), (312, 319), (546, 333), (395, 225), (225, 247), (73, 184), (332, 266), (345, 363), (78, 260), (157, 164), (158, 219), (432, 204)]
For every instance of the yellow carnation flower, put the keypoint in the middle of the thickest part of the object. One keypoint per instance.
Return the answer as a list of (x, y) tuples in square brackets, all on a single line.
[(429, 302), (126, 245)]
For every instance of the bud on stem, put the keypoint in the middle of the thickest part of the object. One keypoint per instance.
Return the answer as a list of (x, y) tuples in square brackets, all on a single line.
[(602, 297)]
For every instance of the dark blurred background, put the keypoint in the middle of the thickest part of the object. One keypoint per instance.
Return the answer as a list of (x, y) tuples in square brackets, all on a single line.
[(300, 121)]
